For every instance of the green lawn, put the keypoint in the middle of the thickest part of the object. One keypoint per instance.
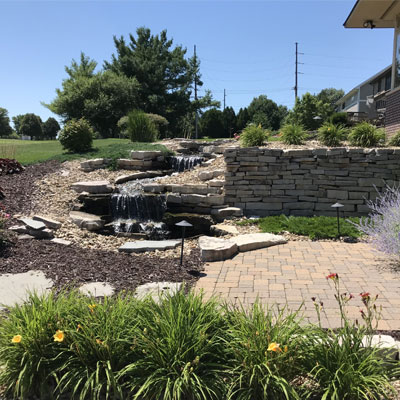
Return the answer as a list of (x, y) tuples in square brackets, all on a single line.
[(313, 227), (34, 151)]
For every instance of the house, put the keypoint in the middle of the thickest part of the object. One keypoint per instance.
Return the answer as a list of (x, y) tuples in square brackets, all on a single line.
[(370, 14), (367, 100)]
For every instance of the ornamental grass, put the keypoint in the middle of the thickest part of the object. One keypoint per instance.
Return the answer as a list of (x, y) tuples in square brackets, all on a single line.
[(67, 345)]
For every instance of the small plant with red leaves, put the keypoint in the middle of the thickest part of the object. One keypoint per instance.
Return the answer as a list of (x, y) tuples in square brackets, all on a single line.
[(9, 166)]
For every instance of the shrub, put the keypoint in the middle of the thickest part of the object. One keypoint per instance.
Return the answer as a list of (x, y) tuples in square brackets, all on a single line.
[(77, 136), (293, 134), (160, 122), (366, 135), (123, 126), (253, 135), (141, 128), (331, 135), (340, 118), (395, 139)]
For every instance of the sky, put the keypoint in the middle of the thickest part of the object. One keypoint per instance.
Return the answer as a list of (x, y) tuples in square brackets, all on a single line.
[(245, 47)]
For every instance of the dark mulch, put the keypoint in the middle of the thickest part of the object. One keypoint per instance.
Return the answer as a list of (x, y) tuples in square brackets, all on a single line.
[(73, 266), (18, 188)]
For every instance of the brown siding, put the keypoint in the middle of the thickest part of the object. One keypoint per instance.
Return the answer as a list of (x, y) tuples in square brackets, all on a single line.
[(392, 119)]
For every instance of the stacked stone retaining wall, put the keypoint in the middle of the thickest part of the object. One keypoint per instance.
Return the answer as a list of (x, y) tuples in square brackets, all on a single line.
[(265, 181)]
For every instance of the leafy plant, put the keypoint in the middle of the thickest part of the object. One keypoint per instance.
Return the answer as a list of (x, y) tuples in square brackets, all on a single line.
[(141, 128), (366, 135), (293, 134), (331, 135), (77, 136), (253, 135), (340, 118), (395, 139)]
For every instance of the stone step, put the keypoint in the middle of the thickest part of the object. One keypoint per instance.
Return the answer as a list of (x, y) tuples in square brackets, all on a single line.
[(215, 249), (93, 187), (254, 241)]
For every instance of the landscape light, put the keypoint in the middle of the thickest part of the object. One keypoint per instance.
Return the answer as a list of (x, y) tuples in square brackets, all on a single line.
[(337, 206), (184, 224)]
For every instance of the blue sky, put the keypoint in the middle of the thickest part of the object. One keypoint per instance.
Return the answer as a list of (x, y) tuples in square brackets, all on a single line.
[(246, 48)]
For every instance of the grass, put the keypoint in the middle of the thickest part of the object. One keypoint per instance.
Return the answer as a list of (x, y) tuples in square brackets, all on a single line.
[(33, 151), (313, 227)]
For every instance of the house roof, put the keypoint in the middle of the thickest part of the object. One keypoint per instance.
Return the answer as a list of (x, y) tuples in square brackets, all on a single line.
[(382, 13), (367, 81)]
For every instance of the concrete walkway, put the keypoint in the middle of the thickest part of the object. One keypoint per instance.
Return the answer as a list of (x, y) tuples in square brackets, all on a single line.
[(293, 273)]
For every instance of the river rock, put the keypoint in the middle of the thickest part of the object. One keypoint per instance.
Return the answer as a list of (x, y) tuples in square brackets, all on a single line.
[(253, 241), (95, 187), (49, 222), (148, 245), (215, 249), (86, 221)]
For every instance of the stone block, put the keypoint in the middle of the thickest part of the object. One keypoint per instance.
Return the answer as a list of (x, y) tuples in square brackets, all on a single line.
[(215, 249), (337, 194), (145, 155)]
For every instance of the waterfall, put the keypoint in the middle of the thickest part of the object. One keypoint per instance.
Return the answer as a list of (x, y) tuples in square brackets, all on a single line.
[(182, 163)]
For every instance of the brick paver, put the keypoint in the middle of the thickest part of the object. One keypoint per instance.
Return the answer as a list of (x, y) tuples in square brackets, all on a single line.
[(293, 273)]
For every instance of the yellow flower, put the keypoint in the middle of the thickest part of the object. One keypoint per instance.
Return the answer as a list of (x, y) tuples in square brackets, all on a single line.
[(98, 341), (274, 347), (285, 349), (59, 336), (16, 339), (78, 327), (92, 307)]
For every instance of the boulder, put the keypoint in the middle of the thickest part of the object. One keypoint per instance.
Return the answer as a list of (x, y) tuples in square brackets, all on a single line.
[(215, 249), (254, 241), (201, 224), (221, 229), (148, 245), (86, 221), (95, 187), (50, 223), (216, 183), (206, 175)]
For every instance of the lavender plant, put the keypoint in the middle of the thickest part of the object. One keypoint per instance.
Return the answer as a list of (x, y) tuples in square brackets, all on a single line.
[(382, 226)]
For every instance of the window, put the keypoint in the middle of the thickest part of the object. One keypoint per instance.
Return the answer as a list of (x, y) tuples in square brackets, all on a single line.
[(388, 82)]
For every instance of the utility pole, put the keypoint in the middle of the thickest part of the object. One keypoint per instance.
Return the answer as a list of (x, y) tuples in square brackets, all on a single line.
[(224, 98), (296, 73), (196, 122)]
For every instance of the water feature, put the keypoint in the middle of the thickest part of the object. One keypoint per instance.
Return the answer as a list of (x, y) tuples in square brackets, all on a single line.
[(182, 163)]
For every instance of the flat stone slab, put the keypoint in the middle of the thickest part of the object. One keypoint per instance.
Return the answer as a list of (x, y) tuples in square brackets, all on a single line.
[(139, 175), (148, 245), (61, 241), (87, 221), (32, 224), (14, 288), (49, 222), (254, 241), (157, 289), (225, 229), (92, 187), (145, 155), (230, 212), (215, 249), (97, 289)]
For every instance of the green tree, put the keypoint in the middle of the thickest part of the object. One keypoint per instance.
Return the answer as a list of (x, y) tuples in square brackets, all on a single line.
[(31, 125), (243, 118), (265, 112), (50, 128), (101, 98), (330, 96), (164, 74), (17, 122), (229, 120), (212, 123), (5, 128)]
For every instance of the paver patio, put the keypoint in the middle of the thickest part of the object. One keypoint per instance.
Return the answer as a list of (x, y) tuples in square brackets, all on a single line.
[(293, 273)]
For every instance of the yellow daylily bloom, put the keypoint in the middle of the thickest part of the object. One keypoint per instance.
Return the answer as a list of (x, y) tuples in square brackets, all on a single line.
[(16, 339), (59, 336), (274, 347)]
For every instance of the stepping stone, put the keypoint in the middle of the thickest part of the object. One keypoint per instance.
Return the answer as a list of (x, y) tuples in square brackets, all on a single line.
[(148, 245), (97, 289), (50, 223), (222, 229), (215, 249), (254, 241), (157, 289), (87, 221), (31, 224), (61, 241), (93, 187), (14, 288)]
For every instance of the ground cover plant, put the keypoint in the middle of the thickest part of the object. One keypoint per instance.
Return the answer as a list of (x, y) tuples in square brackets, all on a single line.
[(34, 151), (320, 227), (186, 348)]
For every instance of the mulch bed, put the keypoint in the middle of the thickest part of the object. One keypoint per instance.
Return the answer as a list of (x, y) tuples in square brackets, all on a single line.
[(73, 266)]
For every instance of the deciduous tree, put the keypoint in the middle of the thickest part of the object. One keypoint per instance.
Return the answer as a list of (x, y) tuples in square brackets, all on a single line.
[(5, 128)]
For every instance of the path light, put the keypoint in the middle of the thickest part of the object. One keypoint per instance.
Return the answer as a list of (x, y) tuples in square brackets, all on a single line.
[(337, 206), (184, 224)]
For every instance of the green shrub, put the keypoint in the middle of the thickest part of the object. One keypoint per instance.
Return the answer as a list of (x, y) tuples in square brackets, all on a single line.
[(331, 135), (395, 139), (340, 118), (293, 134), (160, 122), (77, 136), (141, 128), (123, 126), (253, 135), (366, 135)]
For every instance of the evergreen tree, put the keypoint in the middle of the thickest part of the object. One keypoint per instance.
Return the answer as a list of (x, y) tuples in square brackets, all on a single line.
[(5, 128)]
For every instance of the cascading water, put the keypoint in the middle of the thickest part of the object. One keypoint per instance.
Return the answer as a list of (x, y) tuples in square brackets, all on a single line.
[(182, 163)]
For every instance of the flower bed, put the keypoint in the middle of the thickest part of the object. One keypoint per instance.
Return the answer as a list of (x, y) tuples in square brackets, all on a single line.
[(188, 348)]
